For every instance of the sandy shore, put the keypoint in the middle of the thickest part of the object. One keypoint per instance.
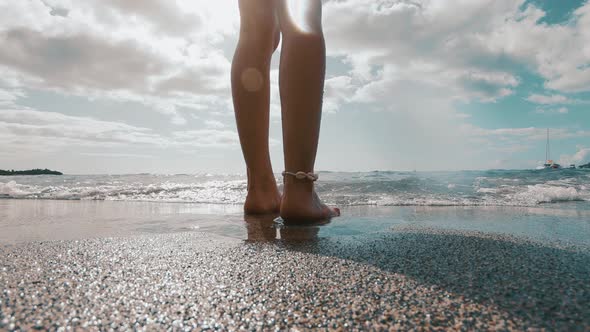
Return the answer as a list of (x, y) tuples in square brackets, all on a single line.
[(404, 279)]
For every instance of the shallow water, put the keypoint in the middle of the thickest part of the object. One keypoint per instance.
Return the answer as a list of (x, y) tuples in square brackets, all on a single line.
[(546, 204), (41, 220)]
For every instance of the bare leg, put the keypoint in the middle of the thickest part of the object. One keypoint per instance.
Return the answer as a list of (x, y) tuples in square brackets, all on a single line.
[(302, 73), (259, 37)]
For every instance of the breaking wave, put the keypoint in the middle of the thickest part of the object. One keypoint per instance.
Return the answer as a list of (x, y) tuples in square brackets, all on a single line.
[(466, 188)]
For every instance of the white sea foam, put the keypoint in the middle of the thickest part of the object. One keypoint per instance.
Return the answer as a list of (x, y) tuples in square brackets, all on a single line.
[(543, 193), (522, 188), (488, 190), (14, 190)]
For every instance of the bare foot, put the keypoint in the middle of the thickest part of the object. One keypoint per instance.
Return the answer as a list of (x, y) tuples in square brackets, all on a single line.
[(263, 197), (301, 203)]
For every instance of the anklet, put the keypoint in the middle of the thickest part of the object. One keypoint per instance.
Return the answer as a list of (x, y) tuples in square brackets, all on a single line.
[(302, 175)]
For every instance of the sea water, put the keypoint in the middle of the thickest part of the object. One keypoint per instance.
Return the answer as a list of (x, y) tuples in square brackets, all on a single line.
[(543, 204), (465, 188)]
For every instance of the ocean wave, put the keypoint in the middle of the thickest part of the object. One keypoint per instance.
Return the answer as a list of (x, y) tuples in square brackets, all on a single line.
[(232, 192), (544, 193), (510, 188)]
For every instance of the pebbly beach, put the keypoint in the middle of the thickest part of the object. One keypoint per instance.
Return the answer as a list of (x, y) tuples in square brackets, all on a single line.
[(407, 278)]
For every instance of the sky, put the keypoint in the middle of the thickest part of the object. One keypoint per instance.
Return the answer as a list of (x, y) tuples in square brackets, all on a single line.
[(113, 86)]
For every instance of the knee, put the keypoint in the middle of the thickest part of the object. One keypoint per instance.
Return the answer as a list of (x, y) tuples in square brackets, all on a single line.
[(309, 37), (261, 30), (301, 21), (301, 29)]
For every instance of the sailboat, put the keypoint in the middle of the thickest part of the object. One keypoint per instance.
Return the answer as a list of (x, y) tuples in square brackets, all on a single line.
[(549, 164)]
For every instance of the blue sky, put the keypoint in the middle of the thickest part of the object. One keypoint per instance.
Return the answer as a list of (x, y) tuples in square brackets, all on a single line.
[(122, 87)]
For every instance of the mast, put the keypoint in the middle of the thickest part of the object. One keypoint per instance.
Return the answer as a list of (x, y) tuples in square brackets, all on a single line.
[(547, 148)]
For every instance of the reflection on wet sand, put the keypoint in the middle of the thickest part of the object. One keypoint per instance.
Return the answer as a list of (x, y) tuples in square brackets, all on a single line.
[(269, 228)]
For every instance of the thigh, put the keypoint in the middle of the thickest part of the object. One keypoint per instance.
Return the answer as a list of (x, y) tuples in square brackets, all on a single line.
[(300, 16)]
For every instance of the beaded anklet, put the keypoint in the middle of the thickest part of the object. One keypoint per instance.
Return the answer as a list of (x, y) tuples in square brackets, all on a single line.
[(302, 175)]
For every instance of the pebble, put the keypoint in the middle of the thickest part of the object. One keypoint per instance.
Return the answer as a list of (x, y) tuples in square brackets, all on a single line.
[(422, 279)]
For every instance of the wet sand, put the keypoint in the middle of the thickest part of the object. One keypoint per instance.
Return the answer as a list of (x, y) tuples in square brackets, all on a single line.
[(406, 278)]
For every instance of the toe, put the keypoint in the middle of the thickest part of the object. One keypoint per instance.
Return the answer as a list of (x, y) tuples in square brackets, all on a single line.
[(336, 212), (331, 212)]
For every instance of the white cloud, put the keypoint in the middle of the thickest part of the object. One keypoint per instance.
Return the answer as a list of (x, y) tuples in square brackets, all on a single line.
[(118, 155), (530, 133), (580, 157), (561, 110), (161, 54), (8, 97), (165, 16), (418, 59), (214, 124), (553, 51), (548, 99), (208, 137), (31, 130), (275, 96), (422, 43), (20, 126), (425, 43), (80, 61), (337, 90), (516, 141)]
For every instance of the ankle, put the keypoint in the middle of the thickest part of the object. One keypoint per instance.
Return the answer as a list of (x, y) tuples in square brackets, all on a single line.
[(297, 187), (263, 182)]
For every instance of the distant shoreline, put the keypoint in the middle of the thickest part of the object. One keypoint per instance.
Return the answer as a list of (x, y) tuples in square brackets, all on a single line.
[(36, 171)]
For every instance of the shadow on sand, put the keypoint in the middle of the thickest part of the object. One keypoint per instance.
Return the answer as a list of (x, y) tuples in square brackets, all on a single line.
[(540, 284)]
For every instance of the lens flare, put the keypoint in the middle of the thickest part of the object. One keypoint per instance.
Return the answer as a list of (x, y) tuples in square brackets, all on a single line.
[(252, 79)]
